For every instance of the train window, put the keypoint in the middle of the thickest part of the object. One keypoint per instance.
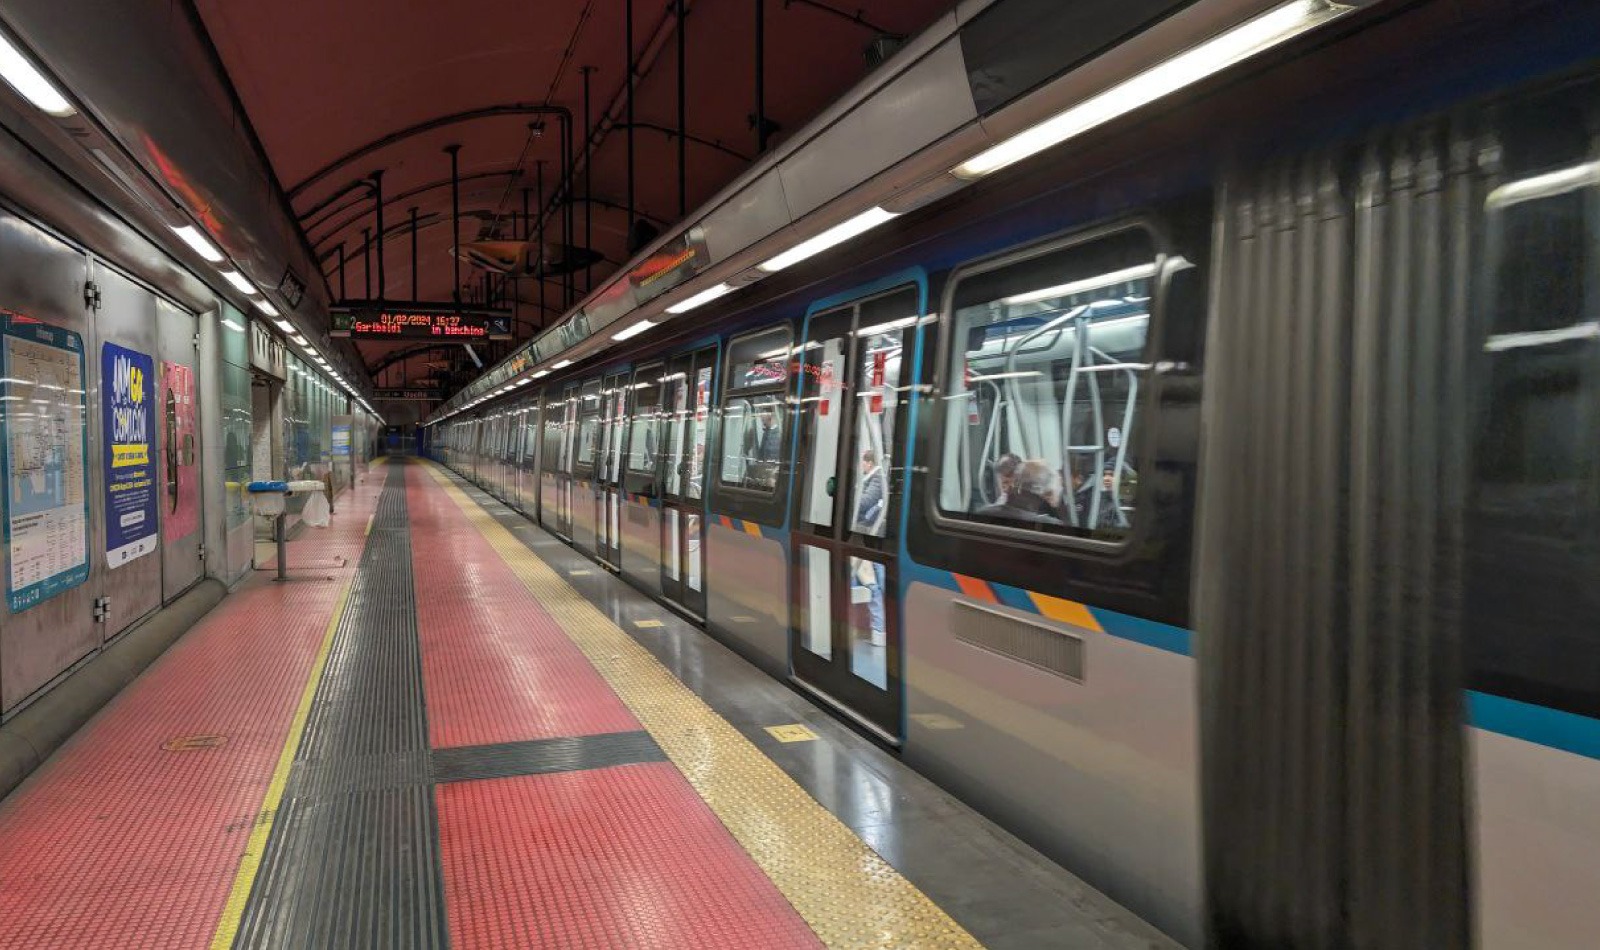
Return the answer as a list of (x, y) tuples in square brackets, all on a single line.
[(1043, 389), (1535, 507), (642, 448), (589, 424), (752, 411)]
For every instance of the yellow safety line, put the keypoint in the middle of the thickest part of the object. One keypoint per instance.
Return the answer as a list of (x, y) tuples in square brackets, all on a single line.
[(250, 863), (848, 894)]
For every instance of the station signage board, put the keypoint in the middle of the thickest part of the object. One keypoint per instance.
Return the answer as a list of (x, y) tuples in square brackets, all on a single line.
[(421, 322), (425, 395)]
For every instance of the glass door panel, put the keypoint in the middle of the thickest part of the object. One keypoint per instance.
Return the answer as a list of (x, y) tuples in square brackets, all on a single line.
[(686, 392), (845, 633)]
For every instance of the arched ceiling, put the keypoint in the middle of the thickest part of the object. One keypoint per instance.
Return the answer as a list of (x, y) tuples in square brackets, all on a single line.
[(395, 82)]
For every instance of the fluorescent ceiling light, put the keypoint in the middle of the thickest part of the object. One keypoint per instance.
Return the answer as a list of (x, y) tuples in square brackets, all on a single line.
[(1138, 272), (1187, 68), (1547, 185), (240, 283), (838, 234), (202, 246), (265, 307), (633, 331), (299, 340), (561, 365), (29, 82), (540, 374), (285, 326), (703, 297)]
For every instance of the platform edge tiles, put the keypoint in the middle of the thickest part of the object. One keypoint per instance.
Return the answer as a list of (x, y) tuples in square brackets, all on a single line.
[(848, 894)]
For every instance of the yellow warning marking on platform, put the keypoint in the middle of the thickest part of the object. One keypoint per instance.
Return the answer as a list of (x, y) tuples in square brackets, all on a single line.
[(938, 721), (791, 733), (848, 894), (261, 828), (647, 623), (367, 533)]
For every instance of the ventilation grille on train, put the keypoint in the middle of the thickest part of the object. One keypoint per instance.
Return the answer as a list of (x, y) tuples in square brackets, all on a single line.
[(1026, 641)]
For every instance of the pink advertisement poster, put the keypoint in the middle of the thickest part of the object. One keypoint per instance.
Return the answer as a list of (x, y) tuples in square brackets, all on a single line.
[(180, 508)]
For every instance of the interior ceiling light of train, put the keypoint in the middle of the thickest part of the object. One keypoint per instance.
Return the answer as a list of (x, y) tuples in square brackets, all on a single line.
[(505, 164)]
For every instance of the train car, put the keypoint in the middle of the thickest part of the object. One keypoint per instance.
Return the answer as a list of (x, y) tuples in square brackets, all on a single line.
[(1213, 501)]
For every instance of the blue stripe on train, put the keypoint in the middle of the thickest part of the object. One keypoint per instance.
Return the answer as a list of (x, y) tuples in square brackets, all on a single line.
[(1555, 728)]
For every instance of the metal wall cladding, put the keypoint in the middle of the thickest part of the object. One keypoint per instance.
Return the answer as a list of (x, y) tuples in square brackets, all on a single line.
[(181, 490), (1329, 567), (127, 318), (747, 598), (44, 279)]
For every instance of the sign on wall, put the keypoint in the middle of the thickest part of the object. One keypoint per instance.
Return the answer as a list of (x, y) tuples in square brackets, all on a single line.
[(127, 379), (180, 501), (341, 440), (45, 419), (420, 321)]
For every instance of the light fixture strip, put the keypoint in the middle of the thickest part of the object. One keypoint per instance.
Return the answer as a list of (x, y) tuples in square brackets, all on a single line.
[(689, 303), (1254, 36), (22, 75), (198, 242), (240, 283), (632, 331), (838, 234)]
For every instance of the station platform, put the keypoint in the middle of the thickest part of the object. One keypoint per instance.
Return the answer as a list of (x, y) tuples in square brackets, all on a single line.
[(449, 729)]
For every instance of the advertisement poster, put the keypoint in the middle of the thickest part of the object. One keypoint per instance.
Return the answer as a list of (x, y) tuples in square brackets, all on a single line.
[(341, 441), (181, 499), (45, 420), (127, 379)]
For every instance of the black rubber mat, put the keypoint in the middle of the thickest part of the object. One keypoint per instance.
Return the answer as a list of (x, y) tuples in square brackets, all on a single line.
[(353, 858), (541, 756)]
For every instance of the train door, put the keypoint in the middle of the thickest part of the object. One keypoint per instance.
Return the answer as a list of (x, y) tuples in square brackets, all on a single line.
[(586, 468), (686, 403), (569, 439), (552, 439), (844, 628), (608, 501)]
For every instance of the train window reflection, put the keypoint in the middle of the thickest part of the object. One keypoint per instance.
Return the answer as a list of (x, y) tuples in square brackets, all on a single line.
[(752, 411), (1043, 392)]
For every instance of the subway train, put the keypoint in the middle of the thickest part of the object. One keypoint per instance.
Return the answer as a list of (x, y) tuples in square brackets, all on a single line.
[(1213, 501)]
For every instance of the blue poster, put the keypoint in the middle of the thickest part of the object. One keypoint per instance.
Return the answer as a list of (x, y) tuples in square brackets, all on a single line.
[(341, 441), (127, 378), (45, 420)]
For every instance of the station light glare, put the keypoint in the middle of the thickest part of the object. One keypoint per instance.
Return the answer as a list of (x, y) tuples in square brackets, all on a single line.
[(1255, 36), (20, 74), (191, 236), (561, 365), (633, 331), (240, 283), (838, 234), (688, 304), (540, 374), (265, 306), (285, 326)]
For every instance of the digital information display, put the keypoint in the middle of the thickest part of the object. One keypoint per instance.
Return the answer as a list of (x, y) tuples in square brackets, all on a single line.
[(410, 324)]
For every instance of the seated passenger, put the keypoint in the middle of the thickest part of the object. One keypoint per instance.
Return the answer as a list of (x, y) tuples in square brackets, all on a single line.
[(1034, 497), (1005, 478)]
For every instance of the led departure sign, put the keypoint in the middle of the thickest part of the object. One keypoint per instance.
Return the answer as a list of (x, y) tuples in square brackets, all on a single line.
[(402, 322)]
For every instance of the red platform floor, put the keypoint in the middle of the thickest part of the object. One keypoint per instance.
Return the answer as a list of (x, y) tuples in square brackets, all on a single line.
[(119, 842)]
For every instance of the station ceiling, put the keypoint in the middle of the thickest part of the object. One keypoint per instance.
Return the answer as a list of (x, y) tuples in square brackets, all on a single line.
[(338, 91)]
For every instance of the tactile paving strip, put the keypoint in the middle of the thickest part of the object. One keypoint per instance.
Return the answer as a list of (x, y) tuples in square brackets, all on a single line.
[(542, 756), (848, 894), (497, 668), (352, 860), (623, 858), (117, 841)]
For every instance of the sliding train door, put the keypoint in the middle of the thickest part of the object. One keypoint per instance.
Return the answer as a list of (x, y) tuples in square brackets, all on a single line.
[(608, 469), (686, 403), (844, 628)]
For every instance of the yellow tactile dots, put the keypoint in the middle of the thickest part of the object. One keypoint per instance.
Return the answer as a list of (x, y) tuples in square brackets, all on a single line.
[(849, 895)]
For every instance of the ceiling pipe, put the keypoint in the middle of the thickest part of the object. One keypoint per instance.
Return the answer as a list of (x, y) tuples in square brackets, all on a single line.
[(377, 191), (337, 229), (627, 63), (428, 125), (761, 76), (683, 122), (454, 152)]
